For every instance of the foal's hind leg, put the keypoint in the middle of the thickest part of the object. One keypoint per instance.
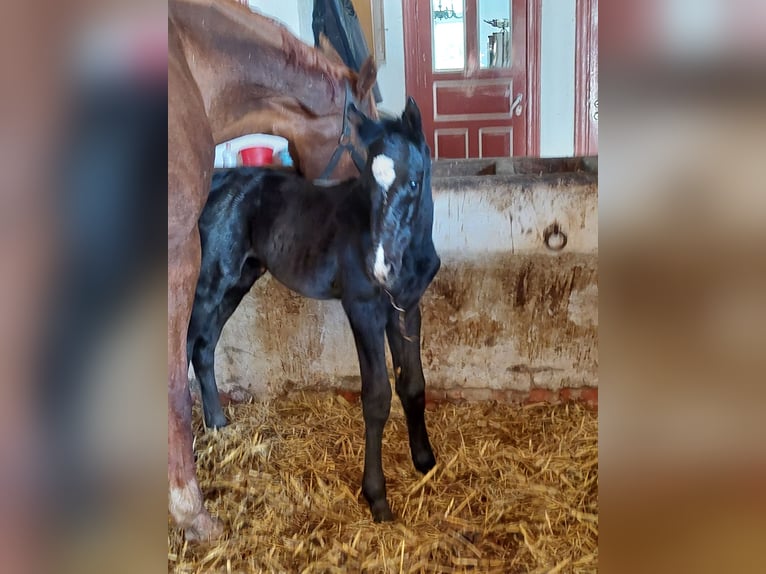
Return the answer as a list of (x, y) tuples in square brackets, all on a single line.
[(213, 306), (368, 324), (203, 359), (410, 382)]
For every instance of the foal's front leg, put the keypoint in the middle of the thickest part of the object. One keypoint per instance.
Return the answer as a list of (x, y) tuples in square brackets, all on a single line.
[(368, 320), (410, 382)]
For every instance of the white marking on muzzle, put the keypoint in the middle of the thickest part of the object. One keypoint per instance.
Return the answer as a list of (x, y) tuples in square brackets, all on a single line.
[(380, 269), (383, 171)]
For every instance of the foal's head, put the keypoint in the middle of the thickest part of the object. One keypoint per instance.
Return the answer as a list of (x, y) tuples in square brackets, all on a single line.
[(398, 174)]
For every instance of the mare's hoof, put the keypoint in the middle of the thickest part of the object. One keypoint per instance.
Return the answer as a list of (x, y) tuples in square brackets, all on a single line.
[(204, 528), (381, 512), (424, 461)]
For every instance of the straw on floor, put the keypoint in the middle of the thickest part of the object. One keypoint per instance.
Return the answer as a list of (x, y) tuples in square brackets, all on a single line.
[(515, 490)]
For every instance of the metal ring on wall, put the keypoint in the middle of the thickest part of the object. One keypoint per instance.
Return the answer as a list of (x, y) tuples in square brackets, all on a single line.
[(555, 239)]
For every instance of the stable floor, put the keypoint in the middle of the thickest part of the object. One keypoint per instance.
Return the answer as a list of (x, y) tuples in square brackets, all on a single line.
[(515, 489)]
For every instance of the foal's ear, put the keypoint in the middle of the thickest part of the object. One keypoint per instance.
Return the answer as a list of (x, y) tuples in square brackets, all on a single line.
[(411, 116), (368, 130)]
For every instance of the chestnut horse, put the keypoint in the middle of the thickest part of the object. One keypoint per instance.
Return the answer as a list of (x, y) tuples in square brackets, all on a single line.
[(233, 72)]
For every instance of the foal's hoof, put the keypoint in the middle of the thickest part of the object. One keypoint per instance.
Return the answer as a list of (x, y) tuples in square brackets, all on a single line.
[(381, 512), (217, 421), (424, 461), (204, 528)]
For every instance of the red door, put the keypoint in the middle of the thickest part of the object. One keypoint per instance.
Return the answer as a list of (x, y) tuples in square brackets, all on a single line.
[(469, 76)]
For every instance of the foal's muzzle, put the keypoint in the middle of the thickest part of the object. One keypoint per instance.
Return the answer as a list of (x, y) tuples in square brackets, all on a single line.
[(383, 268)]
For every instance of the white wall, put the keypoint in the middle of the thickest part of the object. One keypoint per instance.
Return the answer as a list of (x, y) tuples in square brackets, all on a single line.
[(391, 74), (557, 78), (295, 14)]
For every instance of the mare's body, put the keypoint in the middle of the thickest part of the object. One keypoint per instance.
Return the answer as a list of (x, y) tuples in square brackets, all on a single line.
[(232, 72), (317, 241)]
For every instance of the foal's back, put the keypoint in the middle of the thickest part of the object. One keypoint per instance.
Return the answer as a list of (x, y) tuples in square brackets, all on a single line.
[(309, 237)]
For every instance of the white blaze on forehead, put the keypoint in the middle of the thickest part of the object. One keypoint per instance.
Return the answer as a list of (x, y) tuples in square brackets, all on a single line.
[(380, 269), (383, 171)]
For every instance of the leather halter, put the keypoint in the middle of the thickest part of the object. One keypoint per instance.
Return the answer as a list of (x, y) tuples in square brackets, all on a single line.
[(344, 143)]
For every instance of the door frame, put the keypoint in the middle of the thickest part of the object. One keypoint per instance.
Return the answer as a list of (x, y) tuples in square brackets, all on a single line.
[(534, 18), (534, 35), (586, 55)]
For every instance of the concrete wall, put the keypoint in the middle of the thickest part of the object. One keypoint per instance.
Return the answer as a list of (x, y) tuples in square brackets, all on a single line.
[(504, 316)]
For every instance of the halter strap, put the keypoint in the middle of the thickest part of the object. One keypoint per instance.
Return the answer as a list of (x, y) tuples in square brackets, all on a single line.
[(344, 143), (402, 311)]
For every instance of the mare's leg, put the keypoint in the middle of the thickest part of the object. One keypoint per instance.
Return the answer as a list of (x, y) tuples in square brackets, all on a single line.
[(190, 158), (185, 498), (212, 309), (368, 321), (410, 382)]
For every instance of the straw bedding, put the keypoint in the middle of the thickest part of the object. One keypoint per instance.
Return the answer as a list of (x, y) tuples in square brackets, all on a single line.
[(515, 490)]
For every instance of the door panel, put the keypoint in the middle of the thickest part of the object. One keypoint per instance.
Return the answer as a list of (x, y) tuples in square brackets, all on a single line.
[(450, 143), (489, 96), (468, 75), (495, 142)]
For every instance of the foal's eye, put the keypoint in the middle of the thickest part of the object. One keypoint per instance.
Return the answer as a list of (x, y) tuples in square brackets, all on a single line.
[(413, 184)]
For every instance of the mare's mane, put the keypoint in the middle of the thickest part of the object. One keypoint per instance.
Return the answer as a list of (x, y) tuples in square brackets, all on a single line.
[(241, 36)]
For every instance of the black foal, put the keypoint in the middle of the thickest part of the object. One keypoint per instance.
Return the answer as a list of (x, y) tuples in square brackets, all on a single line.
[(366, 242)]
